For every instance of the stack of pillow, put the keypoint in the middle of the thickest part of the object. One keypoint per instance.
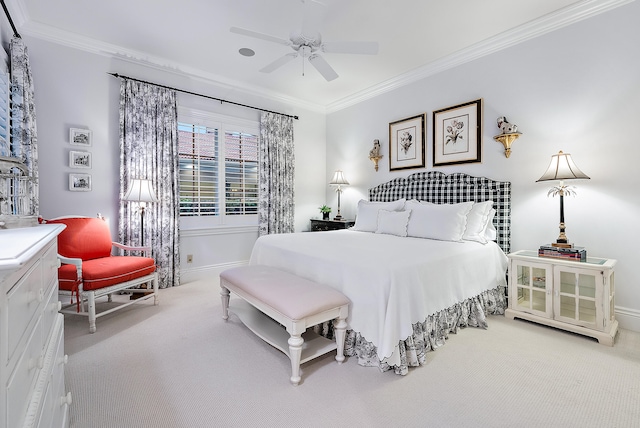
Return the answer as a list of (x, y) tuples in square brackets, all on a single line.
[(465, 221)]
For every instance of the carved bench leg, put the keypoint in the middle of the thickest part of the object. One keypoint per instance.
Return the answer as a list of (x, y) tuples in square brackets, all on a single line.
[(295, 352), (340, 328), (224, 295)]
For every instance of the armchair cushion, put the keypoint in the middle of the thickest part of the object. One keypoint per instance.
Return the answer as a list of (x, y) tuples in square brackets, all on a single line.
[(84, 238), (104, 272)]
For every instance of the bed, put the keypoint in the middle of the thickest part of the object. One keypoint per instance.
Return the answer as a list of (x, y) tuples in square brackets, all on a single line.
[(412, 276)]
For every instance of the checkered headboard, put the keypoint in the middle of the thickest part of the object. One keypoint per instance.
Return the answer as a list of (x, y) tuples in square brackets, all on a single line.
[(439, 188)]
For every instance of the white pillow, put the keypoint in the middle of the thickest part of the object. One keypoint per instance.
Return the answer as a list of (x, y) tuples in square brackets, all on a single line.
[(393, 222), (445, 222), (477, 222), (490, 232), (367, 214)]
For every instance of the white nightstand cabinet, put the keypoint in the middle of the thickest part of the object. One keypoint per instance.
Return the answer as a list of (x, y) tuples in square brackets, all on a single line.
[(32, 360), (570, 295)]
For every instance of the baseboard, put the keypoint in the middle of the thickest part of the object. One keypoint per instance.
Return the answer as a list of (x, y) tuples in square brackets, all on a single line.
[(207, 272), (628, 318)]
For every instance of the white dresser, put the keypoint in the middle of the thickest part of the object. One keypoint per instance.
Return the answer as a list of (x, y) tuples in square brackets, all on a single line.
[(32, 359)]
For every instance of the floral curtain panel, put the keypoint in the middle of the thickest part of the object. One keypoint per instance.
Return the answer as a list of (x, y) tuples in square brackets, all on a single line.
[(24, 144), (276, 205), (149, 150)]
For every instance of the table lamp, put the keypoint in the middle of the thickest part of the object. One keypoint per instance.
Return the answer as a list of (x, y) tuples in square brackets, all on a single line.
[(339, 181), (562, 168)]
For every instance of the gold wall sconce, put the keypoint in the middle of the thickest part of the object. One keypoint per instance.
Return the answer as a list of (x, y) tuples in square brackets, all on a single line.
[(508, 136), (374, 154)]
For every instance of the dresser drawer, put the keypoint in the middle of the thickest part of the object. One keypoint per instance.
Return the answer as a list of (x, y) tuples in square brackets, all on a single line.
[(24, 300), (60, 399), (21, 382), (52, 410), (50, 264), (50, 311)]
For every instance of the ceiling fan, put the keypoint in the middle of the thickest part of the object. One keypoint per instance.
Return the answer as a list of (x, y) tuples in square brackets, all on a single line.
[(308, 44)]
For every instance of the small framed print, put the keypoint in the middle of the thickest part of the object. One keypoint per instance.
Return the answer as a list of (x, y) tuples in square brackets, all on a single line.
[(79, 159), (457, 134), (80, 182), (406, 143), (80, 137)]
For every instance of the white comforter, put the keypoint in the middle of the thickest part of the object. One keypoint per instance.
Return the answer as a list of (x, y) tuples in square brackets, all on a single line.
[(392, 282)]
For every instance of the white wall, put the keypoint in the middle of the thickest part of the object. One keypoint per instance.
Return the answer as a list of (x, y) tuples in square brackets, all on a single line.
[(577, 90), (73, 89)]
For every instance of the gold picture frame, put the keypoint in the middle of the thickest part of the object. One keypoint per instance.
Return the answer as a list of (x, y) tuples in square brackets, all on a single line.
[(407, 143), (457, 134)]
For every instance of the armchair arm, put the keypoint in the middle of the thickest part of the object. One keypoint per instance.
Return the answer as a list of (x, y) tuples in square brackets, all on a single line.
[(145, 250), (72, 261)]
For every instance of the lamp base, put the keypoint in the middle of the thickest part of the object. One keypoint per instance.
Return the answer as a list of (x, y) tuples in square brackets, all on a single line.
[(338, 217), (562, 241)]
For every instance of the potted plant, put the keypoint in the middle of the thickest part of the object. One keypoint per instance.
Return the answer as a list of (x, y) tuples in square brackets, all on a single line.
[(325, 210)]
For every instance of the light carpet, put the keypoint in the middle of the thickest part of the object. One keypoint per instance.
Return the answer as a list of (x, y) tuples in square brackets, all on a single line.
[(179, 364)]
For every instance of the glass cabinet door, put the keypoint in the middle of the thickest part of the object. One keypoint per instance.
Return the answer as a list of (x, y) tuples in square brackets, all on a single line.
[(532, 288), (576, 299)]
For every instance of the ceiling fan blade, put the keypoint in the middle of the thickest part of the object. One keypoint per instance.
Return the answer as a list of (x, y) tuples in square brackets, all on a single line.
[(261, 36), (363, 48), (323, 67), (279, 62)]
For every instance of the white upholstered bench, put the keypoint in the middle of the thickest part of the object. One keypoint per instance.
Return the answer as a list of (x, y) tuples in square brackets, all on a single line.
[(295, 303)]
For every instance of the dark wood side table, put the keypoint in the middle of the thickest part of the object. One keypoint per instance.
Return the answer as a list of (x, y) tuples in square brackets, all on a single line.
[(321, 225)]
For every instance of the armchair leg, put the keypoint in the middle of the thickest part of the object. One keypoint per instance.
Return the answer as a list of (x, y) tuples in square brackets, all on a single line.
[(91, 300), (156, 297)]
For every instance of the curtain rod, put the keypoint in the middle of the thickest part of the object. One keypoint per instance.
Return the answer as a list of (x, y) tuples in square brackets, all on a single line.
[(201, 95), (6, 12)]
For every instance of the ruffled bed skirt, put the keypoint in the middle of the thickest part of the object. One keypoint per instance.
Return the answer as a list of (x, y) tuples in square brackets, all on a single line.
[(427, 335)]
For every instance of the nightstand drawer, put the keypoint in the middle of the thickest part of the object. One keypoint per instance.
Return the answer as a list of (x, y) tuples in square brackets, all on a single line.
[(324, 225)]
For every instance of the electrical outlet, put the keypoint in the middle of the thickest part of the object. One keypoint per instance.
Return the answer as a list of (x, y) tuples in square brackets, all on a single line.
[(189, 258)]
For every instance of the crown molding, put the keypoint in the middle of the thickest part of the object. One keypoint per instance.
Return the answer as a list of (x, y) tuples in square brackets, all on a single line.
[(76, 41), (543, 25)]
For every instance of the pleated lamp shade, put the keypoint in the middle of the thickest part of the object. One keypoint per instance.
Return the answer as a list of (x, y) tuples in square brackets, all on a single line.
[(140, 191)]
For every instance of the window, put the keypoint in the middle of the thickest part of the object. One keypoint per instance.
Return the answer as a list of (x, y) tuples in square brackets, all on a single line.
[(218, 170), (198, 164), (241, 173)]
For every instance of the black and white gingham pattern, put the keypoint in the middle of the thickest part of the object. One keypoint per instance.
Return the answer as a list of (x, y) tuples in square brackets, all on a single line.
[(439, 188)]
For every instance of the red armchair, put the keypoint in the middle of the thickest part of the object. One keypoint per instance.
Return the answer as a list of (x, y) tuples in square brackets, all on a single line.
[(89, 270)]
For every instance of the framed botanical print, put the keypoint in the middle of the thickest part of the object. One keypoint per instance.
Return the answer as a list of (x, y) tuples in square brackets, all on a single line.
[(406, 143), (457, 134)]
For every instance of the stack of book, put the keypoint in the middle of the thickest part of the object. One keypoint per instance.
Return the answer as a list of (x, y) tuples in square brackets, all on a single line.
[(575, 253)]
